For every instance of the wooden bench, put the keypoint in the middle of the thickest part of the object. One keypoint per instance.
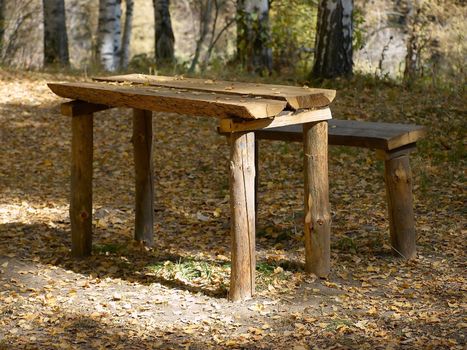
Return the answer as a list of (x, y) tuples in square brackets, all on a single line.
[(393, 143)]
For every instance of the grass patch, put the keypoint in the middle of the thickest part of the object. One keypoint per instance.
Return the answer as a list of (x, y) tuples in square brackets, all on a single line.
[(267, 274), (187, 270), (346, 244), (338, 323), (211, 276)]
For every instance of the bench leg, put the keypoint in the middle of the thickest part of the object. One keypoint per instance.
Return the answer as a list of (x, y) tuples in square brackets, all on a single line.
[(144, 176), (81, 185), (242, 204), (317, 217), (398, 178)]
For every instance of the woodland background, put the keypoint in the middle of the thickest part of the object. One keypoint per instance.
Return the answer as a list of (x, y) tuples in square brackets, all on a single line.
[(174, 296), (381, 31)]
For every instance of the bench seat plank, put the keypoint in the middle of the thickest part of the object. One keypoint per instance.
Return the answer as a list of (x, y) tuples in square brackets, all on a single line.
[(170, 100), (384, 136), (296, 97)]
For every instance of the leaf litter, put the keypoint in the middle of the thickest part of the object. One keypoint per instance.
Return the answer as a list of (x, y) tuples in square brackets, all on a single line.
[(174, 295)]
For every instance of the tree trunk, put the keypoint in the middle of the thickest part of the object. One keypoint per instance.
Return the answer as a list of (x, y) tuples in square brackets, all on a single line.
[(334, 39), (108, 34), (205, 12), (125, 51), (2, 24), (253, 35), (164, 37), (80, 32), (412, 55), (55, 36)]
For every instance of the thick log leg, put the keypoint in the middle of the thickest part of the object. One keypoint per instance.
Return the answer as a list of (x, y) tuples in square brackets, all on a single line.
[(81, 185), (242, 204), (256, 180), (317, 214), (398, 178), (144, 176)]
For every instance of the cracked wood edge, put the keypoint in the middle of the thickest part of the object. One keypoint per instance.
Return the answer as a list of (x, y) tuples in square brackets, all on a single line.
[(167, 100)]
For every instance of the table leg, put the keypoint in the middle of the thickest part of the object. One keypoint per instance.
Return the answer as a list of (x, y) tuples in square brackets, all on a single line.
[(144, 176), (317, 218), (242, 204), (81, 185)]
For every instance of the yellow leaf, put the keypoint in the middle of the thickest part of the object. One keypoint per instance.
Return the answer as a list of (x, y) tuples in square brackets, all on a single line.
[(217, 212), (278, 269)]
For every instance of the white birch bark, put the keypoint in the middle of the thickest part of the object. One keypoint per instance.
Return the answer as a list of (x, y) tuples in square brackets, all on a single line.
[(80, 32), (108, 36), (334, 39)]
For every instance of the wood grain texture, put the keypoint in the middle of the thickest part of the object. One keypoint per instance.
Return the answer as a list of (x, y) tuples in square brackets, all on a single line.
[(242, 202), (81, 185), (317, 217), (398, 178), (144, 176), (296, 97), (170, 100), (285, 118), (77, 107), (385, 136)]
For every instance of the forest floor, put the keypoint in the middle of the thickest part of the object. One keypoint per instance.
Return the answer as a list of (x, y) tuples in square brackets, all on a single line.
[(174, 296)]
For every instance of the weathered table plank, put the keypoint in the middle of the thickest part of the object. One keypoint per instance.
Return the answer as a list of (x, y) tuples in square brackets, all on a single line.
[(296, 97), (168, 100)]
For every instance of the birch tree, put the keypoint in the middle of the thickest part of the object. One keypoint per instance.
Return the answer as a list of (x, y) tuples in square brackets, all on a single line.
[(108, 34), (125, 51), (79, 30), (55, 35), (253, 35), (164, 37), (334, 39)]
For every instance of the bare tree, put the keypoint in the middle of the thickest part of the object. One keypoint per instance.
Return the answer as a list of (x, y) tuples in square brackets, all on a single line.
[(211, 15), (205, 14), (125, 51), (164, 37), (55, 36), (253, 35), (413, 45), (334, 39), (215, 37), (108, 34)]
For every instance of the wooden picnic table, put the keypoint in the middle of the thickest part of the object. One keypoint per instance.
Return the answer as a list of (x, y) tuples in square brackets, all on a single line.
[(241, 108)]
